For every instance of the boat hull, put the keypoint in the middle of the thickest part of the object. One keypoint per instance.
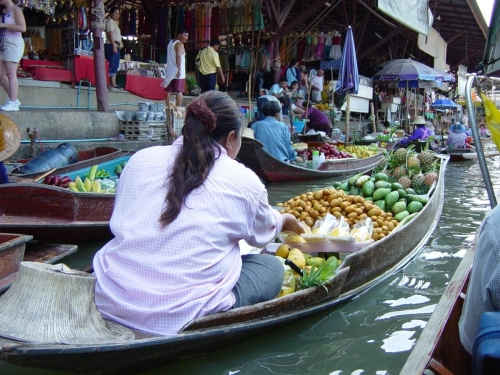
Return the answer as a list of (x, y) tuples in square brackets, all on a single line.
[(358, 272), (86, 158), (272, 170)]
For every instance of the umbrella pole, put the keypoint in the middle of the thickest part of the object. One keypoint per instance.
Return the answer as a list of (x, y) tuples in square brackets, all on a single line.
[(347, 116)]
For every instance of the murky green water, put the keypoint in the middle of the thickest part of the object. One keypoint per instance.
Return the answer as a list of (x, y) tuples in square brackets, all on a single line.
[(375, 332)]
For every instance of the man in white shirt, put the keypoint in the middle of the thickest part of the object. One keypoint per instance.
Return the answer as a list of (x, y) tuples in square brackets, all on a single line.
[(317, 86), (279, 90)]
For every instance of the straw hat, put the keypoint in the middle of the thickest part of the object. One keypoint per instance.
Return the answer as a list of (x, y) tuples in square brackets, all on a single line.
[(55, 304), (418, 120), (10, 137), (248, 133)]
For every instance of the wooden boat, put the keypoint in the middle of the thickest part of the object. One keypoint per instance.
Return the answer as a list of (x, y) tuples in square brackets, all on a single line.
[(57, 215), (86, 158), (467, 154), (358, 272), (12, 247), (272, 170), (438, 348), (36, 252)]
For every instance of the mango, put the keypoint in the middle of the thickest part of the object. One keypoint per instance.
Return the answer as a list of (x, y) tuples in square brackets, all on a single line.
[(315, 262), (297, 257), (283, 250)]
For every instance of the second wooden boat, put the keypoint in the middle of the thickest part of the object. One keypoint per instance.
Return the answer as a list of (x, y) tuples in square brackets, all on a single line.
[(272, 170), (359, 271)]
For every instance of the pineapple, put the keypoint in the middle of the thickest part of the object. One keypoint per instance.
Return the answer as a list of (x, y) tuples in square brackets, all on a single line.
[(429, 178), (399, 172), (399, 156), (417, 183), (405, 181), (426, 158), (413, 163)]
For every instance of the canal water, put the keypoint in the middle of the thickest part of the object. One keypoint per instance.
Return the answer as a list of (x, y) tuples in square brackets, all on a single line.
[(371, 334)]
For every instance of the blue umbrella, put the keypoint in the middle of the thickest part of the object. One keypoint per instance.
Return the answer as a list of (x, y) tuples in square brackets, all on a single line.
[(348, 82), (444, 104), (410, 70)]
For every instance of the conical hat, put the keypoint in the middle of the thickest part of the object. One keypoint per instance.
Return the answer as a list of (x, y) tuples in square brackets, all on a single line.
[(10, 137), (55, 304)]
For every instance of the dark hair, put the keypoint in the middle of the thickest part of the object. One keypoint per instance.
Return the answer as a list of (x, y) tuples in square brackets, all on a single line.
[(271, 108), (293, 61), (283, 80), (209, 120), (182, 30), (294, 83), (282, 100), (215, 42), (113, 9)]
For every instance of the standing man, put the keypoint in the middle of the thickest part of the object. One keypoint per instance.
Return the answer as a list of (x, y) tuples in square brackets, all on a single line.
[(317, 86), (293, 72), (176, 67), (210, 66)]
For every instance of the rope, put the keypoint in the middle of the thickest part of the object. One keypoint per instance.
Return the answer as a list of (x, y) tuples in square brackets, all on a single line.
[(98, 13)]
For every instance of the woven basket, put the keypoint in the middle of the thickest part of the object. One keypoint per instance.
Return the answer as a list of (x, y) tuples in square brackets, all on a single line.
[(55, 304)]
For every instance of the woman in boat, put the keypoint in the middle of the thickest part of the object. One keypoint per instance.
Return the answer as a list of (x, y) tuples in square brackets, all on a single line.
[(274, 134), (457, 137), (483, 131), (483, 293), (421, 133), (317, 119), (179, 214)]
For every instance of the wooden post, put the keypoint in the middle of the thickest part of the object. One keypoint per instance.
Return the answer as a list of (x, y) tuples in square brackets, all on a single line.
[(99, 61), (347, 116), (372, 111)]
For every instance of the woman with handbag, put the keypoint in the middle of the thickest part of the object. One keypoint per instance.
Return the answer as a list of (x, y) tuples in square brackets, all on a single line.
[(11, 50), (113, 45)]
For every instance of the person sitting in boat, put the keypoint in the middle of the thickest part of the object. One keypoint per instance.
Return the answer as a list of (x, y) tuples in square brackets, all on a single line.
[(179, 213), (317, 119), (265, 96), (483, 293), (275, 135), (421, 132), (483, 131), (457, 137)]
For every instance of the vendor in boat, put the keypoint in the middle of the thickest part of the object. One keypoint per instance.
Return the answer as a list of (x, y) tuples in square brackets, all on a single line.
[(457, 137), (275, 135), (179, 214), (317, 119), (483, 293), (483, 131), (10, 140), (421, 132)]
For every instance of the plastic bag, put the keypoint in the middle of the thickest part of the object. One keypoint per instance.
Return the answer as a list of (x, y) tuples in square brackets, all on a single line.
[(107, 184), (362, 230), (288, 285), (325, 225), (342, 229), (291, 237)]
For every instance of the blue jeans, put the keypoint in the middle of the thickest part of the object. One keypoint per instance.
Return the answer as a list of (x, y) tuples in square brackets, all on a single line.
[(113, 58), (260, 280), (207, 82)]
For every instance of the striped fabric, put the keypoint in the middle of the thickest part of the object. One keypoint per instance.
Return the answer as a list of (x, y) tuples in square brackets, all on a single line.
[(156, 279), (483, 293)]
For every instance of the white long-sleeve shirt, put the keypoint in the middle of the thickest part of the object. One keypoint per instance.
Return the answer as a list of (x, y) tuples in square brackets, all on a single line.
[(156, 279)]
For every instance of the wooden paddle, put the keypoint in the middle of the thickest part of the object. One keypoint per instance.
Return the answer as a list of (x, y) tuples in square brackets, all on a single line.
[(44, 175)]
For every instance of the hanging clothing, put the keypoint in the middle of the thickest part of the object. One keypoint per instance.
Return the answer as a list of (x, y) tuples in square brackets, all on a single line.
[(259, 18), (321, 46), (125, 21), (215, 24), (142, 20), (336, 52), (132, 29), (328, 46), (207, 22), (224, 21)]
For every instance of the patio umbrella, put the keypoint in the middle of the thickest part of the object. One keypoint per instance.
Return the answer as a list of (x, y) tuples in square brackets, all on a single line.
[(444, 104), (348, 82)]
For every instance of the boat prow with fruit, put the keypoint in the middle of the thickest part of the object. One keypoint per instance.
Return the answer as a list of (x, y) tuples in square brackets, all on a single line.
[(391, 246), (272, 170)]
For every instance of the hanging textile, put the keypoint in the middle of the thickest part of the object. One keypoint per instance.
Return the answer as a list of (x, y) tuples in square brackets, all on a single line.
[(224, 19), (215, 24), (328, 46), (336, 52), (259, 18), (307, 48), (181, 17), (247, 16), (300, 49), (141, 28), (295, 46), (193, 32), (163, 21), (314, 47), (125, 21), (133, 22), (200, 21), (207, 22), (321, 46)]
